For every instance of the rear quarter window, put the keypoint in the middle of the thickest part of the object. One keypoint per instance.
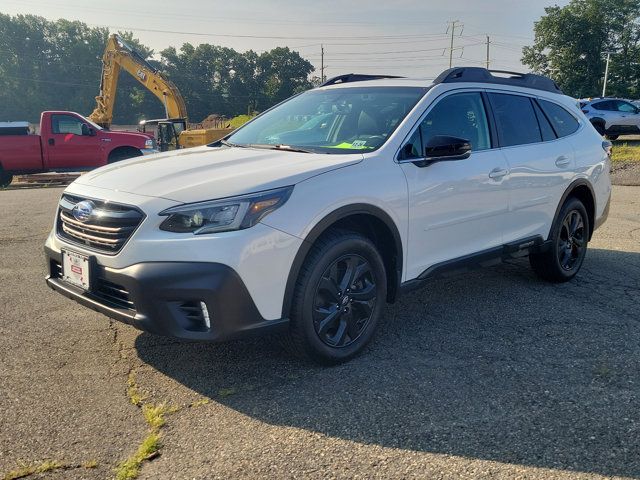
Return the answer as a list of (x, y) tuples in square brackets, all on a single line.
[(562, 121)]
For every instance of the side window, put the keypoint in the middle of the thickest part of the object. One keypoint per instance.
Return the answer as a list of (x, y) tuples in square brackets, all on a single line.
[(545, 127), (625, 107), (563, 122), (66, 124), (606, 105), (516, 119), (459, 115)]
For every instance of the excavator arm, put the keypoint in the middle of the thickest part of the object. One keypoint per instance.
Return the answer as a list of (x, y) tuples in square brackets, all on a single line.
[(118, 55)]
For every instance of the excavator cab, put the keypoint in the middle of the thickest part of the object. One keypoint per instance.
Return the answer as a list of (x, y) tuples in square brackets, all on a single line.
[(166, 130)]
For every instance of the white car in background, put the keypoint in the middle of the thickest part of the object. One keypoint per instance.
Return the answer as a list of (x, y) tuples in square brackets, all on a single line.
[(612, 117), (309, 227)]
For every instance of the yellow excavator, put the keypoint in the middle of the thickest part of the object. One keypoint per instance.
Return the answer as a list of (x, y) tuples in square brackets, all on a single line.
[(171, 132)]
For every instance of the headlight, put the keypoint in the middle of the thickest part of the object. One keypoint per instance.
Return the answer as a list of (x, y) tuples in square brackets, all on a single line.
[(235, 213), (150, 143)]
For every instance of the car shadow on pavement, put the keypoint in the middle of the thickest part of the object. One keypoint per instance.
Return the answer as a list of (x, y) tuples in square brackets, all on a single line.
[(494, 365)]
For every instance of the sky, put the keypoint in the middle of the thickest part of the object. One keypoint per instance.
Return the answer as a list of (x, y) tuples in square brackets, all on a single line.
[(403, 37)]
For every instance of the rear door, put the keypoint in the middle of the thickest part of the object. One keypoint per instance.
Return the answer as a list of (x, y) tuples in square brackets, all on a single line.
[(458, 207), (68, 145), (628, 115), (540, 164)]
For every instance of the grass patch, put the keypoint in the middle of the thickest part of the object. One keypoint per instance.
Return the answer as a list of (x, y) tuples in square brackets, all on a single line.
[(26, 470), (626, 152), (133, 392), (149, 447)]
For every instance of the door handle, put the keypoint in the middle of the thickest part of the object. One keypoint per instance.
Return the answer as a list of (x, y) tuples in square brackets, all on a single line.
[(498, 173), (52, 141), (562, 161)]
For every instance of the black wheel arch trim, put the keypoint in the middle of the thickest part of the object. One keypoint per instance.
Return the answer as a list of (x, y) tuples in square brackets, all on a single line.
[(320, 227), (567, 193)]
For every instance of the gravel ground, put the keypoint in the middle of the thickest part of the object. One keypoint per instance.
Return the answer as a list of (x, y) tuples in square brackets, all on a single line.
[(494, 374)]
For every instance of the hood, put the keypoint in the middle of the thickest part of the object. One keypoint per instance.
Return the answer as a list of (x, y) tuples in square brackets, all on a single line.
[(139, 136), (204, 173)]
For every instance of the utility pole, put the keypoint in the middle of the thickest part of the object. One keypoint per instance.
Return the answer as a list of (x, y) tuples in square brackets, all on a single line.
[(453, 29), (606, 74), (322, 63), (488, 42)]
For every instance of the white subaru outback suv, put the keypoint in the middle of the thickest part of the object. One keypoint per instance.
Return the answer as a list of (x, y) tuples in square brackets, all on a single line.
[(313, 215)]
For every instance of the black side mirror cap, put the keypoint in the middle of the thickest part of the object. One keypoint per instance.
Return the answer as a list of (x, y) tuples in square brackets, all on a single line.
[(445, 147)]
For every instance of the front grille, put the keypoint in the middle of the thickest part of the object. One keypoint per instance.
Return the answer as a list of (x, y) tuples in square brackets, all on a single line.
[(106, 230), (112, 293), (103, 289)]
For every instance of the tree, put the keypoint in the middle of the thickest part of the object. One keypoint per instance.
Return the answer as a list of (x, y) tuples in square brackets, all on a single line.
[(57, 65), (570, 43)]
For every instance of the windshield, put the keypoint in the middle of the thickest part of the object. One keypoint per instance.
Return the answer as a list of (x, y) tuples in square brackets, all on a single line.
[(340, 120)]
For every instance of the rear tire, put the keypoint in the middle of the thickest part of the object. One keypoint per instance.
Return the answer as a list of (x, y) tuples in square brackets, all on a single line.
[(569, 237), (5, 179), (338, 299)]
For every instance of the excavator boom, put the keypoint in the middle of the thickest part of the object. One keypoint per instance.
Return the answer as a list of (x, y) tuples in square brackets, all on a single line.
[(118, 55)]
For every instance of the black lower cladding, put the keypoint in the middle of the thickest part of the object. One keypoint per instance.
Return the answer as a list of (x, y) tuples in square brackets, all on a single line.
[(165, 298)]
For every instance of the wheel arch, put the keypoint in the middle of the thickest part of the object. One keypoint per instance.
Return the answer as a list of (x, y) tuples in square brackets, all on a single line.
[(583, 191), (366, 219), (122, 148)]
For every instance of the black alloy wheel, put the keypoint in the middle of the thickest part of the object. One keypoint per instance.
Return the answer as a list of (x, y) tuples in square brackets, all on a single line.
[(567, 246), (338, 299), (571, 241), (344, 301)]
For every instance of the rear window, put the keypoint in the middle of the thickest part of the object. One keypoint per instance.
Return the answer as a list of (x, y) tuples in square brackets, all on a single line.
[(515, 119), (562, 121)]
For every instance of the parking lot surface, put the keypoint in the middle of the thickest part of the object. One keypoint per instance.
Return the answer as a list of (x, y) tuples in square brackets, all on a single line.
[(493, 374)]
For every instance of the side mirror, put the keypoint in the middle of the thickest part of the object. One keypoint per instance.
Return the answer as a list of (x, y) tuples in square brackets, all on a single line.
[(444, 147), (87, 131)]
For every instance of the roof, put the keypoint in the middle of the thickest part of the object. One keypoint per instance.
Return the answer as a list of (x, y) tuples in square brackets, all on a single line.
[(475, 75)]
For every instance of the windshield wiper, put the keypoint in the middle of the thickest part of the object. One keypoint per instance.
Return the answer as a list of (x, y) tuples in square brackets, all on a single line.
[(229, 144), (285, 148)]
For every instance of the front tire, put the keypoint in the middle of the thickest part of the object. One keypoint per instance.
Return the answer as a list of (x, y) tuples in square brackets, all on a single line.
[(338, 298), (5, 179), (569, 237)]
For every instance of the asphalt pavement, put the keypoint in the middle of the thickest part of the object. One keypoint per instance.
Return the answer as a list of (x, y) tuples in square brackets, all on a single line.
[(493, 374)]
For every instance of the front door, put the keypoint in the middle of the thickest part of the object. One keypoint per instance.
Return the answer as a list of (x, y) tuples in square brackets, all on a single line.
[(456, 207), (70, 145)]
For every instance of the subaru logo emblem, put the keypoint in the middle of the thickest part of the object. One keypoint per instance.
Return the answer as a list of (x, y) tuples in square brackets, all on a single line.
[(82, 211)]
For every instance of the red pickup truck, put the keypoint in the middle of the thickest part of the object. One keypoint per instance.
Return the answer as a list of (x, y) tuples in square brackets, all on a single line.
[(68, 142)]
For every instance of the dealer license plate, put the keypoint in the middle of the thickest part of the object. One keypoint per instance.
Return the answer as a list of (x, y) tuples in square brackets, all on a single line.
[(75, 269)]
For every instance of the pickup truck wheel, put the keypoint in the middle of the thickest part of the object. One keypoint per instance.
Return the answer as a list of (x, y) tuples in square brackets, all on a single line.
[(569, 237), (5, 179), (338, 298), (123, 153)]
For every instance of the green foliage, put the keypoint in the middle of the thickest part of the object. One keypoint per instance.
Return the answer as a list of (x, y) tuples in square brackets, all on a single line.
[(215, 79), (570, 43), (47, 65)]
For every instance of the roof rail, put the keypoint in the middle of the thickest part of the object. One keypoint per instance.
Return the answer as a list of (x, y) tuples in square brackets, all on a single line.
[(354, 77), (482, 75)]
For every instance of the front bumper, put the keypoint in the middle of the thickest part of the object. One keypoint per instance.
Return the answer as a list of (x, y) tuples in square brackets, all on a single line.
[(149, 151), (166, 298)]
